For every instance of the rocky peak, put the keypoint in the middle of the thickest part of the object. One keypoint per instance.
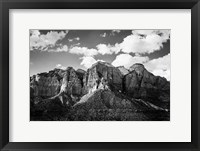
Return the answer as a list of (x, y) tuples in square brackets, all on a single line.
[(138, 68), (57, 81), (102, 63), (140, 83), (103, 73), (71, 83), (81, 71), (70, 68)]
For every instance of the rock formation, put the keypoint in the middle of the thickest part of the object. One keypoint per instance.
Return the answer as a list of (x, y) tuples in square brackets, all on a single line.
[(57, 81), (103, 92), (139, 83), (45, 85), (123, 70), (71, 84), (102, 74)]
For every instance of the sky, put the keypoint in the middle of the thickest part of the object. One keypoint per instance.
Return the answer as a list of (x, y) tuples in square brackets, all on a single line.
[(80, 49)]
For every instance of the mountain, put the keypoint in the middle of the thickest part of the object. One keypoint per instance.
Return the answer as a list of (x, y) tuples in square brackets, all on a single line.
[(103, 92), (123, 70)]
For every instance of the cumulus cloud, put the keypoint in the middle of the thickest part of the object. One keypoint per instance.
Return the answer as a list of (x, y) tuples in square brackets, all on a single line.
[(108, 49), (87, 62), (83, 51), (160, 66), (144, 41), (127, 60), (139, 42), (88, 54), (104, 49), (115, 48), (103, 35), (59, 66), (101, 49), (43, 42), (63, 48)]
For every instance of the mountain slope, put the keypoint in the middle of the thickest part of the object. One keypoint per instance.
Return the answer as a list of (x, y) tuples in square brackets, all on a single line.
[(103, 92)]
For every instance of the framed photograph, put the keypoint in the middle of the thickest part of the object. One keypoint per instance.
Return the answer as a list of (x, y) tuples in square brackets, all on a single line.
[(103, 75)]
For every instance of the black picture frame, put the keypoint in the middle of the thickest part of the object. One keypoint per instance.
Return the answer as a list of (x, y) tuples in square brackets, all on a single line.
[(5, 5)]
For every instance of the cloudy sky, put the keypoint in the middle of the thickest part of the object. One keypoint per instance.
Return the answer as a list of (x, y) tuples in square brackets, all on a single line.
[(51, 49)]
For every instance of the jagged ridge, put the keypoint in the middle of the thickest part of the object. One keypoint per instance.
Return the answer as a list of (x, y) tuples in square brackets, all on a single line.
[(75, 88)]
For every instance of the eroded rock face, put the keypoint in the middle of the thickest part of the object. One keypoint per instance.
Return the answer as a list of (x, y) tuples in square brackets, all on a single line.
[(137, 83), (104, 75), (103, 92), (45, 85), (56, 81), (140, 83), (71, 84)]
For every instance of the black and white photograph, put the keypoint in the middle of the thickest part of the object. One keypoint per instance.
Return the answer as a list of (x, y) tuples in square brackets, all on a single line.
[(99, 75)]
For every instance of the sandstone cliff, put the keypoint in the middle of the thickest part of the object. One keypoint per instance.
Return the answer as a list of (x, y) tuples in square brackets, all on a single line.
[(102, 74), (103, 92), (139, 83)]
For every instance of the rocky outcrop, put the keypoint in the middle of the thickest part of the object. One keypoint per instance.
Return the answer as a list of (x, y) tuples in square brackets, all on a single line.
[(71, 84), (139, 83), (103, 92), (102, 75), (56, 81), (45, 85)]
